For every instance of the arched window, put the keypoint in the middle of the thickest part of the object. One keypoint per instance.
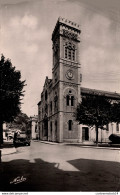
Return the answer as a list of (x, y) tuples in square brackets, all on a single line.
[(39, 115), (55, 100), (69, 52), (42, 130), (73, 55), (72, 100), (67, 100), (55, 128), (46, 108), (46, 95), (51, 126), (70, 125), (51, 106), (55, 125), (66, 52), (36, 128)]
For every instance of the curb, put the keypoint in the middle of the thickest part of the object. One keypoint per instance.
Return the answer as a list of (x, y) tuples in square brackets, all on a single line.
[(6, 151), (99, 147), (51, 143)]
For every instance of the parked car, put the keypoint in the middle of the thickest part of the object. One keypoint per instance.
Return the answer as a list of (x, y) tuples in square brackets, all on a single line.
[(115, 138), (21, 138)]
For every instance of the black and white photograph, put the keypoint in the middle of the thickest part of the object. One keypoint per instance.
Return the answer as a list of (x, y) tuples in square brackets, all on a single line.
[(59, 96)]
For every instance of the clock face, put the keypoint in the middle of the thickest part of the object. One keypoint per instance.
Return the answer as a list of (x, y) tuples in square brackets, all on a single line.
[(69, 74)]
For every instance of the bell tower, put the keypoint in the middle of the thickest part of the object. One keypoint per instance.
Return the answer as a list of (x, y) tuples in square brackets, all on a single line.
[(66, 76)]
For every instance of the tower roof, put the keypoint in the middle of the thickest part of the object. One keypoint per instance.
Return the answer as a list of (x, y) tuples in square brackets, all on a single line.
[(67, 23)]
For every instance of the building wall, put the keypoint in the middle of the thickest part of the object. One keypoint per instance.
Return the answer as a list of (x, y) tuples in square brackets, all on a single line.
[(58, 119), (58, 124), (103, 135), (34, 136), (34, 127)]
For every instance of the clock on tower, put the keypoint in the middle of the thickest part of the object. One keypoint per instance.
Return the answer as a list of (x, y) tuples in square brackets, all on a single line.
[(69, 74)]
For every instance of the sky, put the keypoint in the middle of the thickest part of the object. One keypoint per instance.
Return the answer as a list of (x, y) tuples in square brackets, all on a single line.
[(26, 27)]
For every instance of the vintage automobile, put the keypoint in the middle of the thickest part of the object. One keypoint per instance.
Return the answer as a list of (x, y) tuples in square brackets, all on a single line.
[(21, 138), (114, 138)]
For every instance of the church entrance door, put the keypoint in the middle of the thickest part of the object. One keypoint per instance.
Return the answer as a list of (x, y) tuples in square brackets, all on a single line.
[(85, 134)]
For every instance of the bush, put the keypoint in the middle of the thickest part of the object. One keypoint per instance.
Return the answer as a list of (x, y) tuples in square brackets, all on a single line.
[(114, 138)]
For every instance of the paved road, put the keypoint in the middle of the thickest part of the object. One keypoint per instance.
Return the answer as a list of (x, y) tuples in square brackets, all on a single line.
[(45, 167)]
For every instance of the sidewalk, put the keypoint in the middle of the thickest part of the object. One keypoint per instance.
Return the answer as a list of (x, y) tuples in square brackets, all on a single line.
[(100, 146), (8, 148), (5, 151)]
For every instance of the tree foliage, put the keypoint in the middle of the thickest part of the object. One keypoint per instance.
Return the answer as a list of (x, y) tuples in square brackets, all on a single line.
[(94, 111), (21, 122), (115, 112), (11, 92)]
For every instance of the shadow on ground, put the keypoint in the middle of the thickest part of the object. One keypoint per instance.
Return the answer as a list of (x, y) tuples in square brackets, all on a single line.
[(39, 175)]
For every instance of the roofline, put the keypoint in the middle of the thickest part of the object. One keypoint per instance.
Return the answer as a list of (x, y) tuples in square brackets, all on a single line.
[(112, 95), (67, 23), (39, 103)]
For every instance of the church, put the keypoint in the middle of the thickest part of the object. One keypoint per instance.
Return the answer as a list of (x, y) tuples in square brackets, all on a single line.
[(62, 93)]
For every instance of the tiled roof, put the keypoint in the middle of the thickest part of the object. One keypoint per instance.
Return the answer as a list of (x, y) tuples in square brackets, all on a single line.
[(111, 95)]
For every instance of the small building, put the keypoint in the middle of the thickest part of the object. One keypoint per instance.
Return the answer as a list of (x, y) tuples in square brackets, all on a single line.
[(89, 134), (8, 133), (61, 94), (34, 126)]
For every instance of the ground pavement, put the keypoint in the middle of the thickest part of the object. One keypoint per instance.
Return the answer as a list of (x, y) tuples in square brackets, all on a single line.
[(55, 167)]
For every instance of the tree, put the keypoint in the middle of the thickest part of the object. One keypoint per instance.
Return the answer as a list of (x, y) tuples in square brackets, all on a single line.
[(11, 91), (115, 111), (94, 111), (20, 122)]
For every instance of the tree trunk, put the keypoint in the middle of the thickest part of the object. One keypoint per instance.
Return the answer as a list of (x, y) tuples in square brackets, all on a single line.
[(96, 135), (1, 133)]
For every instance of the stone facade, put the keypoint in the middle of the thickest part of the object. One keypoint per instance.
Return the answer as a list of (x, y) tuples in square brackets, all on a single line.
[(61, 94)]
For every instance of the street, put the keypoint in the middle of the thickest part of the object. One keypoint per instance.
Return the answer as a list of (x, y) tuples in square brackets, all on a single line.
[(58, 167)]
